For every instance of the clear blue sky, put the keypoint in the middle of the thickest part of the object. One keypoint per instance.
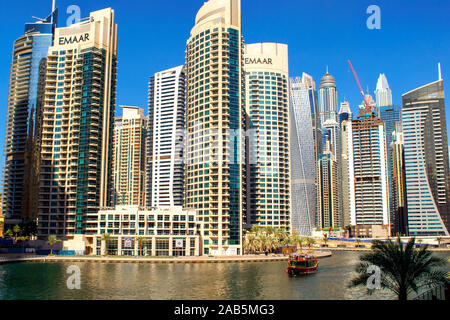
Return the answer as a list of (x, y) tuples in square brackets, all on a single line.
[(414, 37)]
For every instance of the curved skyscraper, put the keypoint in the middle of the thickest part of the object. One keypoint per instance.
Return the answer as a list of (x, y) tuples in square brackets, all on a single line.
[(215, 120), (328, 101), (303, 163), (426, 160)]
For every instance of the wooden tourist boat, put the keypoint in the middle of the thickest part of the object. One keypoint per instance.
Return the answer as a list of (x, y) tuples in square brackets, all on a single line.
[(302, 264)]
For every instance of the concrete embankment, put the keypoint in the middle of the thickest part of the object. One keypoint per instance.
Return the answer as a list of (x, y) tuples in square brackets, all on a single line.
[(240, 259)]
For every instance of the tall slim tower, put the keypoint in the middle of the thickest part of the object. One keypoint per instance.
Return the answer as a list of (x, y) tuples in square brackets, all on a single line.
[(328, 215), (129, 157), (397, 152), (78, 124), (328, 100), (391, 115), (303, 160), (24, 119), (368, 182), (215, 116), (383, 94), (268, 172), (426, 160), (167, 112)]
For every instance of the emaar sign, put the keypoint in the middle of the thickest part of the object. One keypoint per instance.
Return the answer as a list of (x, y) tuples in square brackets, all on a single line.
[(74, 39)]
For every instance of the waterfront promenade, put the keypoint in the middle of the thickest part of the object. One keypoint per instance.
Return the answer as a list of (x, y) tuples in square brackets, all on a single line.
[(132, 259)]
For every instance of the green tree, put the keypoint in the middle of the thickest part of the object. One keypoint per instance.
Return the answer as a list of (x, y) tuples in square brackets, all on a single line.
[(439, 240), (9, 233), (16, 230), (52, 240), (420, 242), (403, 268), (358, 242), (309, 242), (325, 239), (141, 241), (106, 238)]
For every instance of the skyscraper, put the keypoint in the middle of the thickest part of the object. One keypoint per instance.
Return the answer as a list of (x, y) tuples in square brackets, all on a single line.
[(391, 115), (345, 113), (426, 160), (328, 215), (303, 160), (78, 126), (397, 156), (165, 150), (215, 116), (24, 119), (328, 100), (383, 94), (129, 157), (267, 103), (368, 185)]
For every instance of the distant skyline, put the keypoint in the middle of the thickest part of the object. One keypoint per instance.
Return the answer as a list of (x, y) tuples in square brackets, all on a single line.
[(152, 37)]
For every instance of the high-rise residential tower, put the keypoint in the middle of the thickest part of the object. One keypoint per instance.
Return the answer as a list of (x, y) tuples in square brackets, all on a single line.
[(129, 157), (391, 115), (397, 156), (368, 181), (215, 115), (78, 126), (383, 94), (303, 159), (426, 160), (24, 119), (328, 215), (328, 100), (267, 103), (166, 129)]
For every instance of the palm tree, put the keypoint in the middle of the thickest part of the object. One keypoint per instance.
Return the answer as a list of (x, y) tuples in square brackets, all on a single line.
[(52, 240), (281, 234), (358, 242), (309, 242), (106, 237), (9, 233), (439, 240), (404, 269), (325, 239), (420, 242), (140, 241), (16, 230)]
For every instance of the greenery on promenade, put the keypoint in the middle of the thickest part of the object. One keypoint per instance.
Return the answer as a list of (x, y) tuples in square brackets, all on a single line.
[(269, 239), (404, 269)]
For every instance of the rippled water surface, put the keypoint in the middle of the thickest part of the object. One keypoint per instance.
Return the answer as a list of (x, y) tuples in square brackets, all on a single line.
[(184, 281)]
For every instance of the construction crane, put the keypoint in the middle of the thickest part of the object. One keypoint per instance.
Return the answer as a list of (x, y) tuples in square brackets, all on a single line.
[(369, 106)]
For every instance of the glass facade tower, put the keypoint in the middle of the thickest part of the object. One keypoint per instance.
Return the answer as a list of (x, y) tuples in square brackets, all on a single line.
[(426, 160), (303, 160), (24, 120)]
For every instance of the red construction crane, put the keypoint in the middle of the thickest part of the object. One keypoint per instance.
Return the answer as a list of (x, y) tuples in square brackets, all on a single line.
[(366, 101)]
